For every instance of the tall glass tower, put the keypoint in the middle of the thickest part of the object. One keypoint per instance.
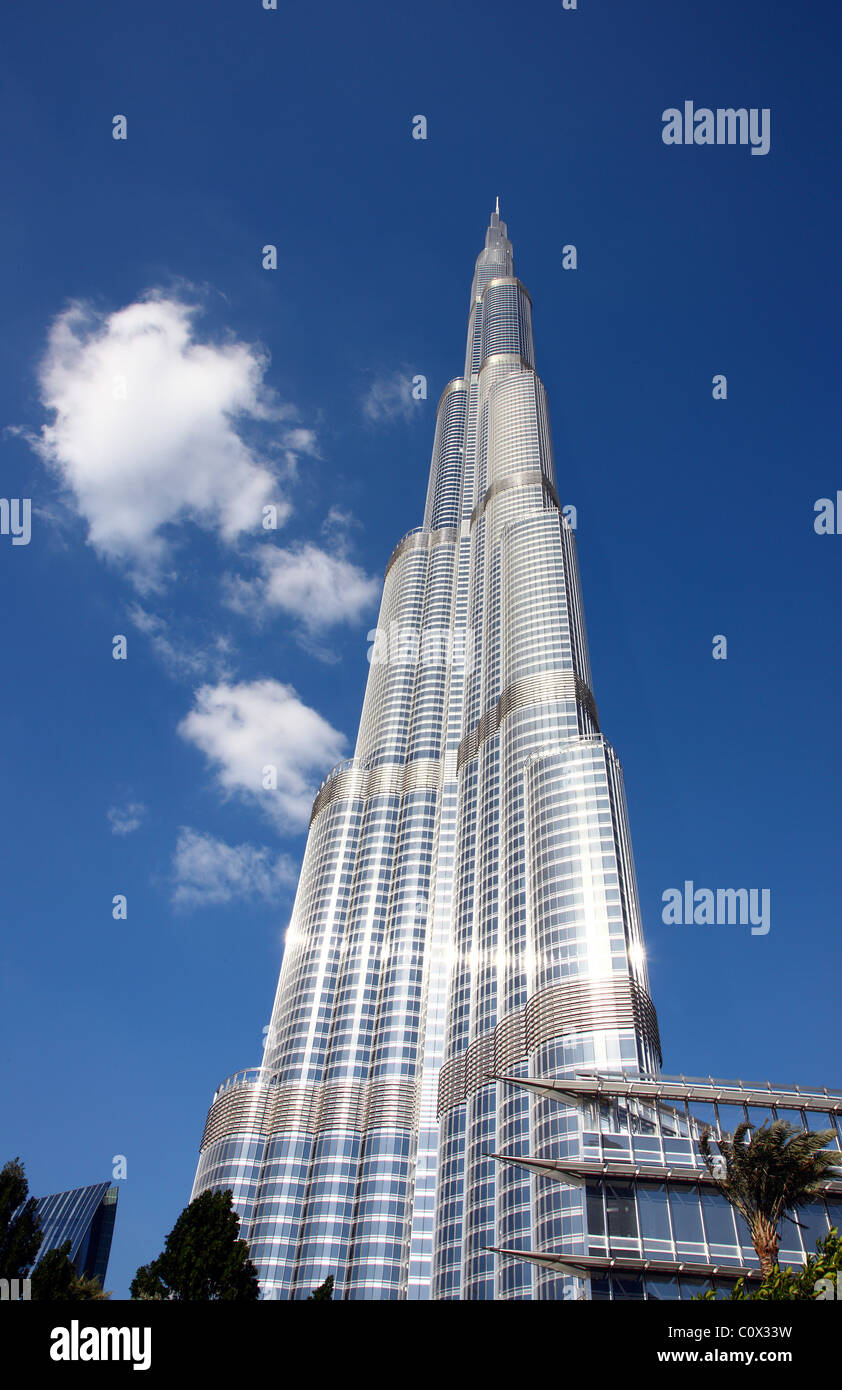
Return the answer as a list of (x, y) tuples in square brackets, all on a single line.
[(467, 908)]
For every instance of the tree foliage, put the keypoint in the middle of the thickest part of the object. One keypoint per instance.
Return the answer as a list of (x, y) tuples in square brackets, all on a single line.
[(794, 1284), (54, 1279), (778, 1169), (323, 1292), (20, 1227), (203, 1258)]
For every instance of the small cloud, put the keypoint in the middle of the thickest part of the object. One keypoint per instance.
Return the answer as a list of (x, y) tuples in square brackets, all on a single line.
[(301, 441), (264, 745), (390, 398), (206, 870), (181, 659), (320, 590), (337, 527), (125, 819)]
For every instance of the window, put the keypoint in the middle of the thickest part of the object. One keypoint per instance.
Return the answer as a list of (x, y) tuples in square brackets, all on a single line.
[(596, 1215), (654, 1214), (620, 1207), (686, 1215), (719, 1220), (661, 1286), (813, 1222)]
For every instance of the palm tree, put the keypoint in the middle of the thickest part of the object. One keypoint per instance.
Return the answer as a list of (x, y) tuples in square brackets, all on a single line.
[(777, 1169)]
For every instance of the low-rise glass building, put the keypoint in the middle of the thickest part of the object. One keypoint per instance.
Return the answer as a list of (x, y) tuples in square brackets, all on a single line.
[(84, 1216), (647, 1219)]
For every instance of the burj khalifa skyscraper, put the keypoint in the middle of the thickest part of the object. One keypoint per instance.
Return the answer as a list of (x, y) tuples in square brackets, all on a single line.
[(467, 912)]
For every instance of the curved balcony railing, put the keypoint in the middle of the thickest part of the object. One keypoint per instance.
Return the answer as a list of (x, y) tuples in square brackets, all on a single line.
[(248, 1077), (347, 765)]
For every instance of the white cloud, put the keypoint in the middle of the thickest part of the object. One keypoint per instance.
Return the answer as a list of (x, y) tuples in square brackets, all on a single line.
[(390, 398), (337, 527), (148, 429), (206, 870), (245, 728), (181, 659), (302, 440), (124, 819), (317, 588)]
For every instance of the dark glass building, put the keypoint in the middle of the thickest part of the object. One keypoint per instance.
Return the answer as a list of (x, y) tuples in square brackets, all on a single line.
[(84, 1216)]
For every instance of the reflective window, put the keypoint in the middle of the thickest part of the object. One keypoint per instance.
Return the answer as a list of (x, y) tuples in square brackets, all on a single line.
[(596, 1215), (620, 1208), (686, 1215), (662, 1286), (813, 1222), (654, 1213), (718, 1218)]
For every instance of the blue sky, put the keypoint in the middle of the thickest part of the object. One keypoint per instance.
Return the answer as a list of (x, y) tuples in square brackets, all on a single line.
[(140, 261)]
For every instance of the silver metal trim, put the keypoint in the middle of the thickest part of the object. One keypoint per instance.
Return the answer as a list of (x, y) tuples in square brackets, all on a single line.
[(580, 1266), (532, 477), (506, 280), (530, 690), (726, 1093), (421, 540), (576, 1172), (272, 1106), (572, 1006), (389, 778), (458, 383)]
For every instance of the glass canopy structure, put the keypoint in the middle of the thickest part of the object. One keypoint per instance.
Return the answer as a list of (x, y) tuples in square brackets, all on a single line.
[(656, 1225)]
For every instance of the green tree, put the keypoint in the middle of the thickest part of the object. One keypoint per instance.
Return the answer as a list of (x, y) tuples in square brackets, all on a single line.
[(87, 1289), (53, 1275), (203, 1257), (777, 1170), (20, 1227), (323, 1292), (55, 1279), (794, 1284)]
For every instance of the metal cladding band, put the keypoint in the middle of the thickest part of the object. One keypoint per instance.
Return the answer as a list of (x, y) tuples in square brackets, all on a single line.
[(580, 1006), (263, 1107), (499, 359), (422, 540), (532, 690), (395, 779), (457, 384), (576, 1006), (532, 477), (506, 280), (237, 1110)]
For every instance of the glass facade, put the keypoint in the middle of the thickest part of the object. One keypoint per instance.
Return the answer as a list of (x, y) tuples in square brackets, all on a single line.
[(84, 1216), (467, 900), (655, 1223), (467, 914)]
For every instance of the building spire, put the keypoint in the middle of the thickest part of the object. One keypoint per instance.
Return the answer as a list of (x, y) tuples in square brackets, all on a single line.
[(495, 259)]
